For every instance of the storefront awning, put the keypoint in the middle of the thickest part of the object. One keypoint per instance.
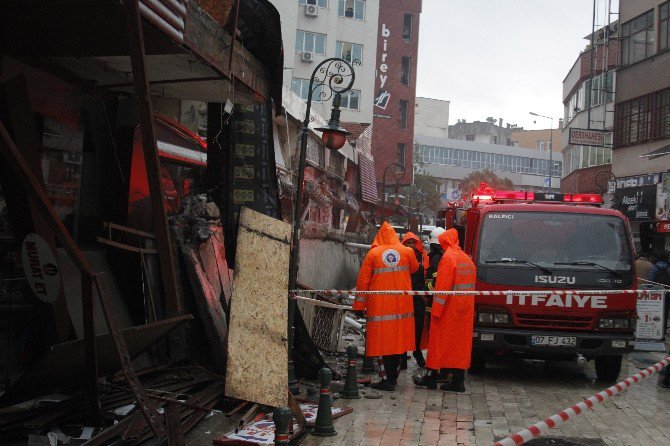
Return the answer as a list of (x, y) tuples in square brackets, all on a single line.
[(665, 150)]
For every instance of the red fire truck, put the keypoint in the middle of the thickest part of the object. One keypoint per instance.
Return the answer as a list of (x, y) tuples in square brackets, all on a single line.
[(543, 241)]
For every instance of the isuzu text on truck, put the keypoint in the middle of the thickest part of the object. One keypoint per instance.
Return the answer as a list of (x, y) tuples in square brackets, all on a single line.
[(534, 241)]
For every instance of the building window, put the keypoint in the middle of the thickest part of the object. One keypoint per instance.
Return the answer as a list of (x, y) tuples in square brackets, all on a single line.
[(407, 28), (354, 9), (637, 38), (602, 90), (349, 51), (494, 140), (351, 99), (501, 163), (664, 26), (469, 137), (316, 153), (319, 3), (336, 164), (540, 145), (402, 117), (642, 119), (301, 88), (310, 42), (400, 153), (404, 70)]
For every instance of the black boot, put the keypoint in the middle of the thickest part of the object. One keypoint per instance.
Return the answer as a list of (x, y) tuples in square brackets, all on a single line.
[(418, 355), (384, 384), (429, 380), (665, 382), (457, 383)]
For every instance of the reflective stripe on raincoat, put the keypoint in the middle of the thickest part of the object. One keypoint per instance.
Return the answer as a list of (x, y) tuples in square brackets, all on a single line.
[(452, 317), (390, 318)]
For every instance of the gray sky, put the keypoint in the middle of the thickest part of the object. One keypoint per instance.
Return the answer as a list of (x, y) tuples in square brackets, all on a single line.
[(502, 58)]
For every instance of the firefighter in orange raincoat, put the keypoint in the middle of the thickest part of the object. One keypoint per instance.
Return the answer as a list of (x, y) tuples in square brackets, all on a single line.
[(418, 284), (452, 317), (390, 317)]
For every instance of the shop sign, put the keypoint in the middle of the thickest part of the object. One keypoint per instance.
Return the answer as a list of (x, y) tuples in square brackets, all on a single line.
[(382, 95), (586, 137), (40, 268), (636, 203), (663, 226), (636, 181), (650, 312)]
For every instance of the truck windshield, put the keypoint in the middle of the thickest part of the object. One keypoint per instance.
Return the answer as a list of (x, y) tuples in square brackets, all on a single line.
[(554, 240)]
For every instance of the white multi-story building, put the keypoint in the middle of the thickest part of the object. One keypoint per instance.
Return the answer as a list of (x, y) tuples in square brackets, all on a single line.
[(314, 30), (451, 160)]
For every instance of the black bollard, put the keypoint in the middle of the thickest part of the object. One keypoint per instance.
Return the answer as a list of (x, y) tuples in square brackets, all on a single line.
[(350, 390), (323, 426), (281, 417)]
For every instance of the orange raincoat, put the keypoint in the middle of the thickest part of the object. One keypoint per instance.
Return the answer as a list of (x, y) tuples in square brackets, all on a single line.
[(452, 317), (390, 317)]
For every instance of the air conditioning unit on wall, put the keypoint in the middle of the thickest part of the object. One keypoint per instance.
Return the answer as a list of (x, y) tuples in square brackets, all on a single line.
[(307, 56), (311, 10)]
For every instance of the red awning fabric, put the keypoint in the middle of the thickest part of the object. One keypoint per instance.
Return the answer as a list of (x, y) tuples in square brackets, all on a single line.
[(366, 169)]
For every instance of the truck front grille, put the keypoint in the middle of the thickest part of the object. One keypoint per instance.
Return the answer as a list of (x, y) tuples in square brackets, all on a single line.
[(548, 320)]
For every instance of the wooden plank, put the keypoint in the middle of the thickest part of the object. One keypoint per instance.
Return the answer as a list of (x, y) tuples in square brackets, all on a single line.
[(125, 247), (110, 225), (209, 307), (257, 339)]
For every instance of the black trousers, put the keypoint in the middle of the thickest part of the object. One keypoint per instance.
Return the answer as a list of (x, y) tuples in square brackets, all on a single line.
[(392, 366), (419, 319)]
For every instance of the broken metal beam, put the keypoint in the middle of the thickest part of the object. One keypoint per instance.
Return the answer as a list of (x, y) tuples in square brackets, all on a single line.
[(138, 62)]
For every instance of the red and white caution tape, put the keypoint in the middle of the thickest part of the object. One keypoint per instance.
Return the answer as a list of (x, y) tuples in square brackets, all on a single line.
[(479, 293), (322, 303), (555, 420)]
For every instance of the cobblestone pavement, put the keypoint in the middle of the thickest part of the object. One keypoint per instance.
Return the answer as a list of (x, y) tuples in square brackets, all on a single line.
[(507, 398)]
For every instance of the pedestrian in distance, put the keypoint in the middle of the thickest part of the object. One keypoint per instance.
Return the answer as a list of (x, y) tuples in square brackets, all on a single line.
[(418, 284), (660, 272), (390, 317), (452, 317), (643, 265)]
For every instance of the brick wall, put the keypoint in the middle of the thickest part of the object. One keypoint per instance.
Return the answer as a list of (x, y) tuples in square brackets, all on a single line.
[(584, 180)]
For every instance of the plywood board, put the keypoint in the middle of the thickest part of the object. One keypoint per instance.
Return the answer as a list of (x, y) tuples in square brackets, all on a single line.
[(257, 339)]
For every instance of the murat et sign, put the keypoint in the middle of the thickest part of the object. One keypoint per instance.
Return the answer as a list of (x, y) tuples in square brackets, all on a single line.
[(586, 137), (41, 268)]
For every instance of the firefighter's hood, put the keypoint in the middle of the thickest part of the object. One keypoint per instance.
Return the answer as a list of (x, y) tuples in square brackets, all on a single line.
[(412, 236), (449, 239), (385, 236)]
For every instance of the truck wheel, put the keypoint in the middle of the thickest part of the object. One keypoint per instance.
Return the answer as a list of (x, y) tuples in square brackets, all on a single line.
[(608, 367), (477, 362)]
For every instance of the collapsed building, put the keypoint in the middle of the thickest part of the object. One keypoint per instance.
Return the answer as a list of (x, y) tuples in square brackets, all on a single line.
[(132, 137)]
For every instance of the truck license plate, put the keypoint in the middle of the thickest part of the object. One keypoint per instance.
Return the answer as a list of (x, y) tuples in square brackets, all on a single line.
[(553, 341)]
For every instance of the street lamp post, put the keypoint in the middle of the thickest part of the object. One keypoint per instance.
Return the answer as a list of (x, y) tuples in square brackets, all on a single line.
[(332, 77), (551, 144), (398, 174)]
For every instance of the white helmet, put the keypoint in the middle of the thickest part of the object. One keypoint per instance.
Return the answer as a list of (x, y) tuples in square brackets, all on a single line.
[(434, 234)]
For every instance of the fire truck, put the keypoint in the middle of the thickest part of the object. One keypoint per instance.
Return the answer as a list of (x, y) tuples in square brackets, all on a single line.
[(548, 241)]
